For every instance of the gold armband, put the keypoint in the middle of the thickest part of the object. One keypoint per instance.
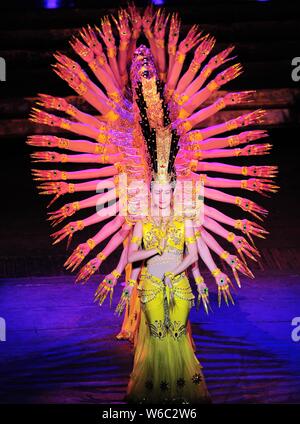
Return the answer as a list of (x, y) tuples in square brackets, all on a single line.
[(190, 240), (244, 170), (91, 243), (215, 272), (64, 175), (71, 188), (230, 237), (116, 273), (65, 125), (224, 254), (136, 240), (238, 224), (180, 57), (212, 86), (101, 256), (237, 152), (199, 280), (112, 52)]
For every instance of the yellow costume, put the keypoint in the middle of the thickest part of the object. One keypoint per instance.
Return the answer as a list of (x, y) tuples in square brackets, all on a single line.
[(165, 367)]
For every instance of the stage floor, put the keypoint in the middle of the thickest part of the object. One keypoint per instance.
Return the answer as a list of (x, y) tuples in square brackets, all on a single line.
[(61, 348)]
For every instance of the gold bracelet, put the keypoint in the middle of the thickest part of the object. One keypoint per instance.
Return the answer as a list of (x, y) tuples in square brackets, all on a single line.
[(63, 143), (180, 57), (103, 158), (212, 86), (190, 240), (230, 237), (172, 50), (244, 170), (123, 46), (64, 175), (81, 89), (215, 272), (199, 280), (163, 76), (183, 114), (76, 206), (233, 141), (220, 104), (80, 225), (112, 52), (238, 224), (136, 240), (116, 273), (185, 126), (148, 33), (231, 125), (195, 136), (111, 116), (238, 201), (91, 243), (206, 72), (131, 282), (101, 256), (71, 188), (159, 250), (63, 158), (224, 254), (244, 184), (194, 67), (160, 43), (101, 137)]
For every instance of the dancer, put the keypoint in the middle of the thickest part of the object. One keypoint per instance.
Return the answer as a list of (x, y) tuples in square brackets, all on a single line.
[(151, 156)]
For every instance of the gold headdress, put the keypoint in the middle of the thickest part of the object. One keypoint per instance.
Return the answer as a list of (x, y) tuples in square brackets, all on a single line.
[(155, 125)]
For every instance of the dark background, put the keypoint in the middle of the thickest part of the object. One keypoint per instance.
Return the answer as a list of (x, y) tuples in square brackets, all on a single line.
[(266, 35)]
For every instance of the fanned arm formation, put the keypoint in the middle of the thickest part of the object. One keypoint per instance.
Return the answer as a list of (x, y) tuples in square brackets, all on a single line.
[(140, 96)]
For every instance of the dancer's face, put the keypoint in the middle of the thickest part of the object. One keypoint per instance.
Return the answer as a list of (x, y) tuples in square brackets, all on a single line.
[(161, 195)]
